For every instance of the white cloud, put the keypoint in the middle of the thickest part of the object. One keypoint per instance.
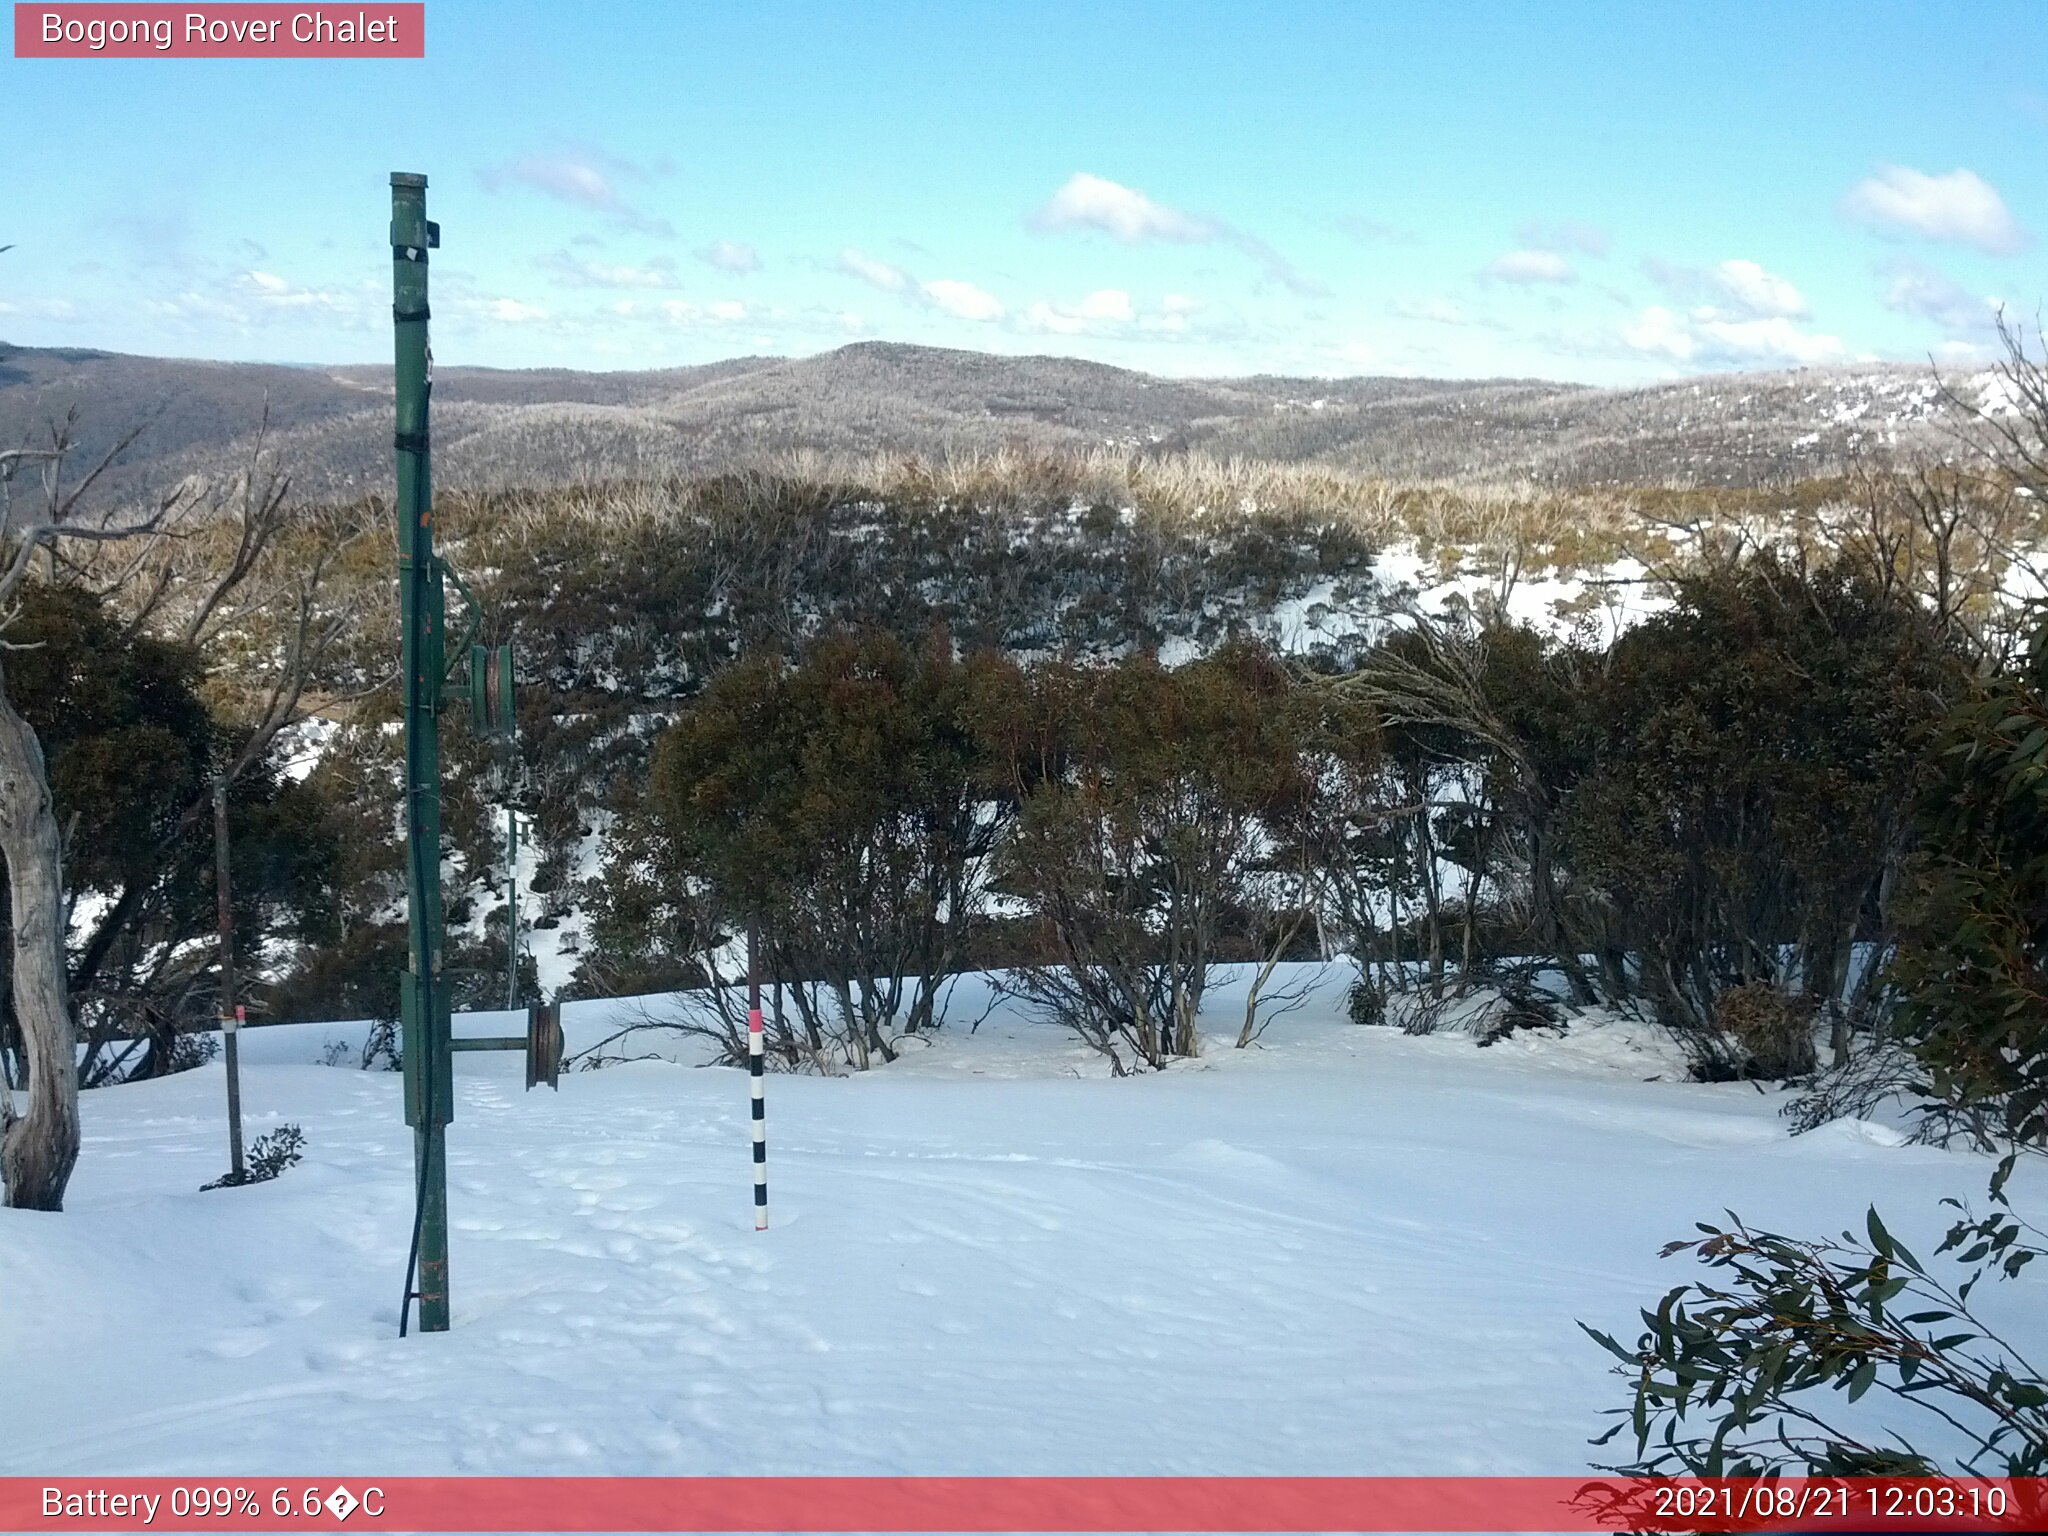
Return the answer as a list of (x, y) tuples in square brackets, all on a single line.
[(1761, 293), (1962, 352), (585, 177), (721, 312), (954, 296), (1674, 278), (1562, 235), (1707, 336), (1092, 202), (190, 304), (1373, 231), (1438, 311), (560, 176), (1040, 315), (583, 272), (1774, 337), (1107, 304), (1658, 329), (1531, 267), (963, 299), (876, 274), (1104, 308), (513, 312), (1175, 310), (1913, 289), (275, 293), (1959, 207), (1129, 216), (730, 256)]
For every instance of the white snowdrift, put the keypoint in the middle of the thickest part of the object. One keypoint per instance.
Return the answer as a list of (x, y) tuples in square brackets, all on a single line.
[(1347, 1251)]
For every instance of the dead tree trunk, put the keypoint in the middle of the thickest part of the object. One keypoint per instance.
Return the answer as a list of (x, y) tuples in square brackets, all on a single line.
[(39, 1145)]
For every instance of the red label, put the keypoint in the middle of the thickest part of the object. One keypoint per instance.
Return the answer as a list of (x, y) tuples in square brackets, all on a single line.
[(241, 31)]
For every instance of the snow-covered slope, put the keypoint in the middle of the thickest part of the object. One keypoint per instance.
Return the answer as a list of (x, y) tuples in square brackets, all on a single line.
[(1346, 1251)]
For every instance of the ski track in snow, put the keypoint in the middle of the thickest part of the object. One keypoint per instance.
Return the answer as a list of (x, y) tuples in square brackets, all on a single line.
[(1345, 1251)]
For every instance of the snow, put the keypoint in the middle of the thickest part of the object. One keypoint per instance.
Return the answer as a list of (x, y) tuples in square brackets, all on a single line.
[(302, 744), (1550, 601), (1345, 1251)]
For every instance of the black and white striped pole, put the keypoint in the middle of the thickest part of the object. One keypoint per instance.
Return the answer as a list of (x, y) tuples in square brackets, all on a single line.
[(756, 1061)]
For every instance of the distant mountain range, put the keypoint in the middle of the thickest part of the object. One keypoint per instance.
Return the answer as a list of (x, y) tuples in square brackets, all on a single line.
[(331, 426)]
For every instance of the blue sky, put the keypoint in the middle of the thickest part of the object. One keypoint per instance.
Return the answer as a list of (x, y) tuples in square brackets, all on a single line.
[(1611, 193)]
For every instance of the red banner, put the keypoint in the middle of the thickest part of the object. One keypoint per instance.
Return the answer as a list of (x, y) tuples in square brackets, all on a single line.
[(922, 1504), (240, 31)]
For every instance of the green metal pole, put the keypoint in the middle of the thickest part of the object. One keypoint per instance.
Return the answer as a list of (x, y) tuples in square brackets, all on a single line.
[(422, 611)]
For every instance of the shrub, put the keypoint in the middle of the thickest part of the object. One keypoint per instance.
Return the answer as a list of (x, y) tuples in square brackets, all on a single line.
[(1885, 1075), (1146, 796), (1755, 754), (192, 1050), (269, 1155), (1972, 965), (841, 806), (1730, 1380), (1366, 1004), (1773, 1026), (382, 1046), (1521, 1006)]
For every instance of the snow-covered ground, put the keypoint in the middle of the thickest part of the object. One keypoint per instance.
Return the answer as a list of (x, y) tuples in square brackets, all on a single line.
[(1344, 1251)]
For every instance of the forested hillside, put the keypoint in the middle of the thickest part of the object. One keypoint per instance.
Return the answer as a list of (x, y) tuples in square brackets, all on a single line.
[(547, 427)]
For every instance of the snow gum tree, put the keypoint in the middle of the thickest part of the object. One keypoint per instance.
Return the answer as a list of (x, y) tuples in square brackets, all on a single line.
[(38, 1141), (1147, 797), (839, 807), (238, 577), (1747, 807)]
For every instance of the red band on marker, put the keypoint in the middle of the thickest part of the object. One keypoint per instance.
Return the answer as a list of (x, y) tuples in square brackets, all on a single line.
[(368, 29), (754, 1020), (1286, 1504)]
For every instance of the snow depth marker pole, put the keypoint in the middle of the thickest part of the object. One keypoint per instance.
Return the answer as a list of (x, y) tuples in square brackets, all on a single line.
[(756, 1052)]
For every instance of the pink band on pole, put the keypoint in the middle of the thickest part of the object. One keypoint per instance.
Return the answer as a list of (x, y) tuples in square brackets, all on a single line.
[(754, 1021)]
